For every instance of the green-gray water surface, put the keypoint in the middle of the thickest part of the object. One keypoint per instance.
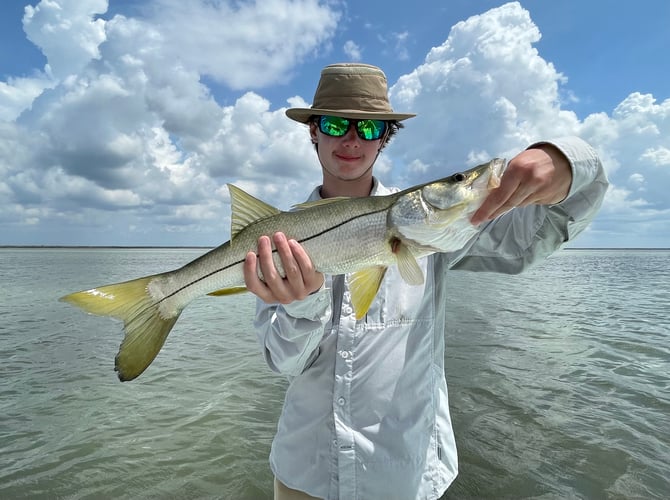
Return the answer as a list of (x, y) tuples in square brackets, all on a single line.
[(559, 382)]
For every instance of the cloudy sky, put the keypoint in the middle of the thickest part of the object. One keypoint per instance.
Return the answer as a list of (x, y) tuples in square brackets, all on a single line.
[(121, 121)]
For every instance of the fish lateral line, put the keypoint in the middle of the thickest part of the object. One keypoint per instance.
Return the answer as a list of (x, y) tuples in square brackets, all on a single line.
[(274, 251), (199, 279)]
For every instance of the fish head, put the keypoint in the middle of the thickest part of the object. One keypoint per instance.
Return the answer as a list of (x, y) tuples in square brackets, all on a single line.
[(464, 188), (436, 216)]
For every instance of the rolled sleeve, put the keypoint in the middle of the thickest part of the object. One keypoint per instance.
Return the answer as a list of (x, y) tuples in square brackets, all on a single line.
[(527, 235), (589, 183)]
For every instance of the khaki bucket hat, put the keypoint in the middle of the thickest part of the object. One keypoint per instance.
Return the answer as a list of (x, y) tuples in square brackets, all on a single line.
[(350, 90)]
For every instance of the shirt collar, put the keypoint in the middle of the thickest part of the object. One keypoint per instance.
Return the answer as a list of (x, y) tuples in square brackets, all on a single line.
[(378, 189)]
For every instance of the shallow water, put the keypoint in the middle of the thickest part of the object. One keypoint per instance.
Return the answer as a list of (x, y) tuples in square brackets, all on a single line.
[(559, 384)]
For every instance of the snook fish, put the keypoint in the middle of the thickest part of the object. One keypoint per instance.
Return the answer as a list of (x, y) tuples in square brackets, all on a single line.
[(362, 236)]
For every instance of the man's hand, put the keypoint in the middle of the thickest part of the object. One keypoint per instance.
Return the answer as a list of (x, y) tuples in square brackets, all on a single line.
[(538, 176), (301, 278)]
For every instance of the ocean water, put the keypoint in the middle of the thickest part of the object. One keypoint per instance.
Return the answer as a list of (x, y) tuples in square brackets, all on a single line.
[(559, 383)]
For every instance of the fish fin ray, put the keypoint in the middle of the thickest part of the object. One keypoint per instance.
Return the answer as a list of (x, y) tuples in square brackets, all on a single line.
[(145, 328), (364, 286), (319, 203), (246, 209), (409, 268), (228, 291)]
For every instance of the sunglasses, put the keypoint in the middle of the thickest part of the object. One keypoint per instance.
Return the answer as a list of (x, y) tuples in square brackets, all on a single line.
[(368, 130)]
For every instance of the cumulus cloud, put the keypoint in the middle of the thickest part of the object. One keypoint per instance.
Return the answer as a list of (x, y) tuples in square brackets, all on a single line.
[(120, 139), (66, 33), (123, 124), (243, 44), (17, 94), (486, 90), (635, 141)]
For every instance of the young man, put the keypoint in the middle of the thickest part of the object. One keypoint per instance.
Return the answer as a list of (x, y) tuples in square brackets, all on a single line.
[(366, 413)]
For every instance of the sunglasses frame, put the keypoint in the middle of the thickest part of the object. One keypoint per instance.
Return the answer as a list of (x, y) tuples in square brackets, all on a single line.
[(355, 122)]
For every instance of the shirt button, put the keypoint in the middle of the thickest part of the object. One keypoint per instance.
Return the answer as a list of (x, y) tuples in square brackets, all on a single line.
[(341, 401), (344, 354)]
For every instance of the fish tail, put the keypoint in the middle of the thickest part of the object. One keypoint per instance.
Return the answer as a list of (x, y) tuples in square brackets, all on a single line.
[(145, 327)]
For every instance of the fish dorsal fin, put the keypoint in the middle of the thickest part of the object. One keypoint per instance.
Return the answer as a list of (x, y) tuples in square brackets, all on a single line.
[(407, 265), (246, 209), (318, 203), (363, 286)]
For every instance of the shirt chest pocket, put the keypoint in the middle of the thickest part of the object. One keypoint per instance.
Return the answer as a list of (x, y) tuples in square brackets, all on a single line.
[(397, 302)]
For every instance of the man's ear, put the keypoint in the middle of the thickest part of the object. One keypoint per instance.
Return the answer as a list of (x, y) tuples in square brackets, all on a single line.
[(313, 132)]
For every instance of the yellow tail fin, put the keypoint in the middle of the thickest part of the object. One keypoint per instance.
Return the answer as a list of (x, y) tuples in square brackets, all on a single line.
[(145, 329)]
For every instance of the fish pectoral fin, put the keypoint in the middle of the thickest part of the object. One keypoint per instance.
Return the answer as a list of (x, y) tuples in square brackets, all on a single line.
[(364, 286), (145, 328), (228, 291), (246, 209), (407, 265)]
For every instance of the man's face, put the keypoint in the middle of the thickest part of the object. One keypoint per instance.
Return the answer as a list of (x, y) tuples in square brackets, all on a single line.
[(346, 158)]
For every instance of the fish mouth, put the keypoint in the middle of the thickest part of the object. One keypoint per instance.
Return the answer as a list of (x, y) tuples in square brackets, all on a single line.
[(498, 166)]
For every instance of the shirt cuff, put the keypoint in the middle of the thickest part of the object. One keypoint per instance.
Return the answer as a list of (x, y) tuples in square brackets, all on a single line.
[(311, 307), (583, 161)]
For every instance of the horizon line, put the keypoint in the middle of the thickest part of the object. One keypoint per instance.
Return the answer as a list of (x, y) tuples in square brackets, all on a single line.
[(130, 247)]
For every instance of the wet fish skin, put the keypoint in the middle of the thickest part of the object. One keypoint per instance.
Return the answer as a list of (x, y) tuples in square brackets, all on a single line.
[(363, 236)]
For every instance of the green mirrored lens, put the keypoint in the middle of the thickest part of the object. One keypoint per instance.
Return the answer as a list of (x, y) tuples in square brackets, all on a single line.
[(370, 130), (334, 125)]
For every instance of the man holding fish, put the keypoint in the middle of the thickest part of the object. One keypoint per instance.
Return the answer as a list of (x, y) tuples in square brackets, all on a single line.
[(366, 413), (351, 289)]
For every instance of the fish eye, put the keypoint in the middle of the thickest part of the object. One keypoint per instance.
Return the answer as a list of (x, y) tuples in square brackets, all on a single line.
[(459, 177)]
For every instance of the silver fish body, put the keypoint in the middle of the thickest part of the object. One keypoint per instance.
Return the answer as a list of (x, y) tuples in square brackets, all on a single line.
[(362, 236)]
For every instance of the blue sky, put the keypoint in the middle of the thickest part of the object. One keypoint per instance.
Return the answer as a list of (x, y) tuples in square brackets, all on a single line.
[(121, 122)]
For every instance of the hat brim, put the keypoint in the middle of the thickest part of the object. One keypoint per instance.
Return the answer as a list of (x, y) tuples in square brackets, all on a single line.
[(302, 115)]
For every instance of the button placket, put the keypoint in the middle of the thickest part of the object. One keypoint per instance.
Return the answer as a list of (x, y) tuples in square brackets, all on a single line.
[(344, 437)]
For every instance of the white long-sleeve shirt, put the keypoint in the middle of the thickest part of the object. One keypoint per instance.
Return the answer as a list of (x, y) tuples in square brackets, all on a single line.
[(366, 413)]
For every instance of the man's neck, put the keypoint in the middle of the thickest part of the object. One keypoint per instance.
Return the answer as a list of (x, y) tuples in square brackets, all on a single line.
[(357, 188)]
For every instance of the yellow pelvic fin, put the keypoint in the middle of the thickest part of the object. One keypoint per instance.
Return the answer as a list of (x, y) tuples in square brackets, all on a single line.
[(228, 291), (407, 265), (145, 329), (364, 286), (246, 209)]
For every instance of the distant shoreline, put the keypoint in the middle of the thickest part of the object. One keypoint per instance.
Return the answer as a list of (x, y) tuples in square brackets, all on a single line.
[(150, 247)]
